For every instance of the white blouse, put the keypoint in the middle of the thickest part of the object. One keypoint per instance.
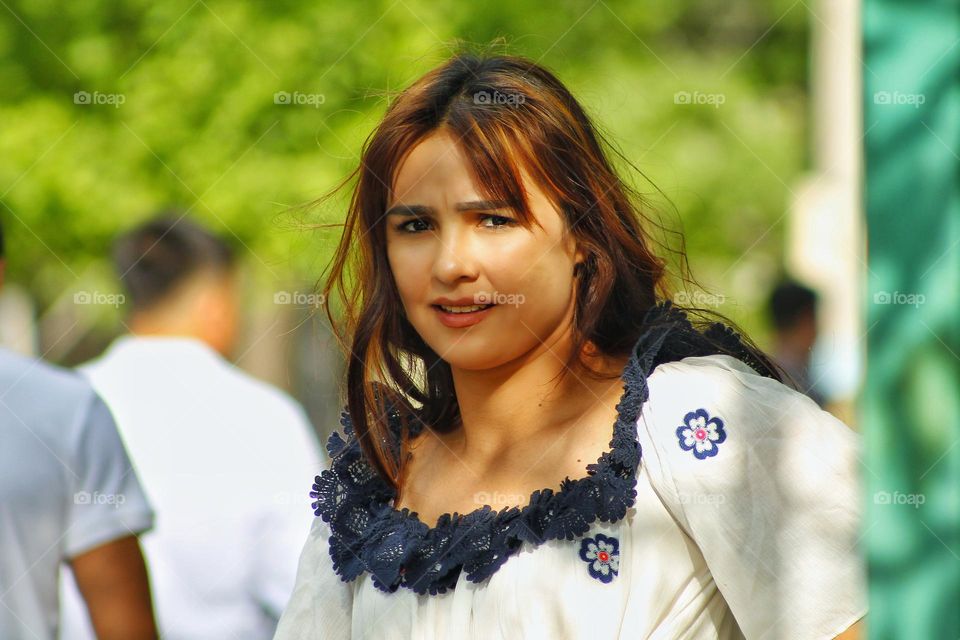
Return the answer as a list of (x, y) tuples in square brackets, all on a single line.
[(745, 525)]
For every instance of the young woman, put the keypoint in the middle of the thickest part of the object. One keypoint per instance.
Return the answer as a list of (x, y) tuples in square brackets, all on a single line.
[(537, 442)]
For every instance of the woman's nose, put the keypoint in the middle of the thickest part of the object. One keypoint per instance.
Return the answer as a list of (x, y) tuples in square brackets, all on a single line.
[(455, 257)]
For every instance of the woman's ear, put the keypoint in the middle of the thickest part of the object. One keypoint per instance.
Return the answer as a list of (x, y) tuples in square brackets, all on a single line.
[(580, 262), (579, 258)]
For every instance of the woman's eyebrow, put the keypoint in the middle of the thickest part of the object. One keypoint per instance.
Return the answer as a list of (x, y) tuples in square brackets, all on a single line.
[(408, 210), (420, 209), (480, 205)]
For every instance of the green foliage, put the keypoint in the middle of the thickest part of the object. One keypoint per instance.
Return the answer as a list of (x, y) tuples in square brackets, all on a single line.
[(198, 126)]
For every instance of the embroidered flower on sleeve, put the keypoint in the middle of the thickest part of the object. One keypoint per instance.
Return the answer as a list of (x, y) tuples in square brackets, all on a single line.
[(602, 555), (701, 434)]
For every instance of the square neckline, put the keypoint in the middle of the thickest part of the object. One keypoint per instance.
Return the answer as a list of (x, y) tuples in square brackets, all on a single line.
[(451, 515), (397, 549)]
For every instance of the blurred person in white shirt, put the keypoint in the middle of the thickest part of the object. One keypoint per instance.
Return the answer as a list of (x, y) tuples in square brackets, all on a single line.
[(224, 458)]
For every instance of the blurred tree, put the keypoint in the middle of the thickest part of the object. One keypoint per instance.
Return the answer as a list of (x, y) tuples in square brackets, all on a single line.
[(110, 111)]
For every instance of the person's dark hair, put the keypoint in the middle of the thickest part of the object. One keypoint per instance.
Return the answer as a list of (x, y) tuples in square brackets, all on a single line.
[(789, 302), (541, 129), (154, 258)]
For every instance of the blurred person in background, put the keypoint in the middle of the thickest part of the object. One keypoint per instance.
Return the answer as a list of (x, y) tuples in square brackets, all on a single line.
[(223, 457), (67, 495), (792, 309)]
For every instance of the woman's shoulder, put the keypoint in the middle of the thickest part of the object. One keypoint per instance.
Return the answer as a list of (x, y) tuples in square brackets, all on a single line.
[(698, 367), (710, 419), (727, 381), (723, 381)]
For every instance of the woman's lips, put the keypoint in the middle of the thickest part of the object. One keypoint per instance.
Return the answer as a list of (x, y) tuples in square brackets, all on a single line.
[(460, 320)]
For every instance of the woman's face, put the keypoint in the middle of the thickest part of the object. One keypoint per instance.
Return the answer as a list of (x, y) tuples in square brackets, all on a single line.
[(448, 245)]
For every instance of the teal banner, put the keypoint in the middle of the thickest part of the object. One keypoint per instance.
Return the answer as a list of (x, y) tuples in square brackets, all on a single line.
[(911, 404)]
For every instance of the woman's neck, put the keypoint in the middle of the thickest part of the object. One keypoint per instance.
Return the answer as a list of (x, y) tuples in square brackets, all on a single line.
[(515, 402)]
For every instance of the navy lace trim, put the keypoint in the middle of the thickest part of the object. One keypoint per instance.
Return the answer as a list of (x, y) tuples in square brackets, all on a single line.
[(398, 549)]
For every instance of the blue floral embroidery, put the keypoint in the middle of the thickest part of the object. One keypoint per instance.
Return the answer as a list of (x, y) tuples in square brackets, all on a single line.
[(602, 555), (701, 434)]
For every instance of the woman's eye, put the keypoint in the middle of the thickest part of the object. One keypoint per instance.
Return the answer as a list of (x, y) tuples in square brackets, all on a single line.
[(405, 226), (497, 222), (503, 220)]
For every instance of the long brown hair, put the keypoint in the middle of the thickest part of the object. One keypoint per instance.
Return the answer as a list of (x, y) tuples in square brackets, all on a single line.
[(508, 114)]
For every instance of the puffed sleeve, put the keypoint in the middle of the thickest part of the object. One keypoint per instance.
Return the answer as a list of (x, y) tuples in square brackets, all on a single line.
[(321, 605), (766, 484)]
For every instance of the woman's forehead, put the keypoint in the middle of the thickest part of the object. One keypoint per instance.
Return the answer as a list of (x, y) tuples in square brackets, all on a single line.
[(435, 166), (436, 170)]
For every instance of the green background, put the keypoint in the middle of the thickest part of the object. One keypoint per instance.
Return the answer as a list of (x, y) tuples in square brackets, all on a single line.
[(199, 127)]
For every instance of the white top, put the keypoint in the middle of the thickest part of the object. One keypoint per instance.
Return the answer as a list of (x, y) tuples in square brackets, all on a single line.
[(227, 461), (745, 525), (66, 487)]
